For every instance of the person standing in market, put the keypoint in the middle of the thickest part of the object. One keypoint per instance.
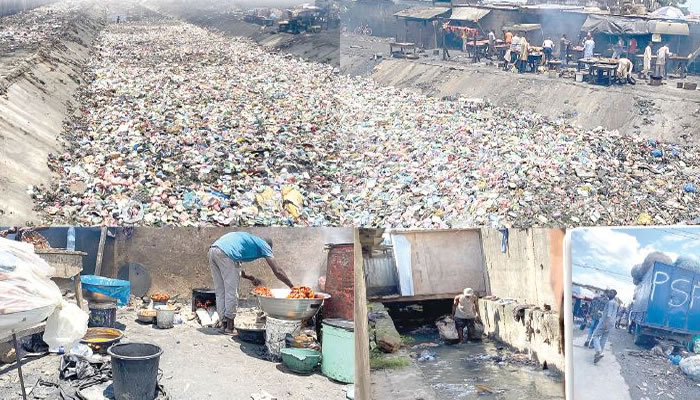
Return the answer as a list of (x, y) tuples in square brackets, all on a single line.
[(492, 44), (548, 48), (594, 314), (632, 49), (524, 54), (588, 47), (465, 311), (564, 46), (508, 37), (607, 322), (225, 258), (661, 57), (647, 61), (445, 53)]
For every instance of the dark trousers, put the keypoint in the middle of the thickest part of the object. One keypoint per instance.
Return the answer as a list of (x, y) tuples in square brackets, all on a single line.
[(461, 323)]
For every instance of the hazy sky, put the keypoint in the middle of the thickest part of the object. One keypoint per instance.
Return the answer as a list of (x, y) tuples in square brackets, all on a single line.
[(694, 5), (604, 257)]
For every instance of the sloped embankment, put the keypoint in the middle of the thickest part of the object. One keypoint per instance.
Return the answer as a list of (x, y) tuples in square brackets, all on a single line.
[(36, 95)]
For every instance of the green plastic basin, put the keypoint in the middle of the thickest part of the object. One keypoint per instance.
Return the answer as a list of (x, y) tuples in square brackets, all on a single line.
[(301, 361)]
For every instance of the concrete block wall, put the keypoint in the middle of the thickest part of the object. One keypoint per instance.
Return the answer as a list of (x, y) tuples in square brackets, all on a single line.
[(177, 258), (524, 271), (537, 333)]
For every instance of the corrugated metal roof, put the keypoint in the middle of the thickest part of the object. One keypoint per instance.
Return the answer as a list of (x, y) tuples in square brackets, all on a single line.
[(422, 12), (669, 28), (522, 27), (472, 14)]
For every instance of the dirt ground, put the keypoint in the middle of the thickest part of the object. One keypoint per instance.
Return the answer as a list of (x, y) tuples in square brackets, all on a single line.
[(664, 113), (197, 363), (627, 371)]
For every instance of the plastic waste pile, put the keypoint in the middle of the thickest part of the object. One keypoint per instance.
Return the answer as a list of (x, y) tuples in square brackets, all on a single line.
[(28, 297), (183, 126), (28, 29)]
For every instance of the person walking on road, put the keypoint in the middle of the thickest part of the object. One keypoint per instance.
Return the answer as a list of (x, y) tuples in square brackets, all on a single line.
[(607, 322), (594, 314)]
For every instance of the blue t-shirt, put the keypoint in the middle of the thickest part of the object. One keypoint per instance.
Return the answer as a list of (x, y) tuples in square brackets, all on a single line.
[(243, 247)]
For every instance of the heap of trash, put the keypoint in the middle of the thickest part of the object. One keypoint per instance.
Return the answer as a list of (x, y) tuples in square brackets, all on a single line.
[(183, 126), (29, 29)]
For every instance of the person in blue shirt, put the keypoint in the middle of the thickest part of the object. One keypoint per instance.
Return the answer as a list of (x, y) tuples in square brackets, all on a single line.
[(225, 258)]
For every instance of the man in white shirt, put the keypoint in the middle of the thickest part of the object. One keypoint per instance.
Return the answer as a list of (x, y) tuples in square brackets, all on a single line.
[(548, 47), (588, 47), (624, 69), (661, 58), (492, 44), (647, 62), (465, 312)]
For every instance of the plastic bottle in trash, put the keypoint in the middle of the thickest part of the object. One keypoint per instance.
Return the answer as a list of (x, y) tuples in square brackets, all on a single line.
[(70, 242)]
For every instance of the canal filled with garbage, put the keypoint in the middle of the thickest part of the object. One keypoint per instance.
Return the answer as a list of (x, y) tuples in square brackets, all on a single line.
[(485, 367)]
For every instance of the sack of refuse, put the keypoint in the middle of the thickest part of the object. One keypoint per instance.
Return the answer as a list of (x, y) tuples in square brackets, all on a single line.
[(447, 328), (691, 367), (688, 263), (648, 262), (27, 294), (65, 327), (478, 330)]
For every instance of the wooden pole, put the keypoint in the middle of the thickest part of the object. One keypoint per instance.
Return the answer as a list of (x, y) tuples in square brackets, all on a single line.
[(19, 365), (100, 251), (362, 371)]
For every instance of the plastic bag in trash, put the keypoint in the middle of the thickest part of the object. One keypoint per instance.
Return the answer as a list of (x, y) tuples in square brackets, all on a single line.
[(447, 328), (27, 294), (691, 367), (66, 326), (25, 279), (119, 289)]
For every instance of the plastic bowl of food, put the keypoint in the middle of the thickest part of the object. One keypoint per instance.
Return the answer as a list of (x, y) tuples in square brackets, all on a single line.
[(280, 307)]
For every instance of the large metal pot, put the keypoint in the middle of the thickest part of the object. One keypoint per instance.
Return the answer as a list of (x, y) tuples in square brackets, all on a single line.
[(291, 309)]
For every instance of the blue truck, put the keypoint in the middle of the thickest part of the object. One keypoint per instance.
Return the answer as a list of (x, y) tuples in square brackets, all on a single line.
[(666, 305)]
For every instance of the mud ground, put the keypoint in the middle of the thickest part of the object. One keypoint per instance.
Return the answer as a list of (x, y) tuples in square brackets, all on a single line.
[(197, 363)]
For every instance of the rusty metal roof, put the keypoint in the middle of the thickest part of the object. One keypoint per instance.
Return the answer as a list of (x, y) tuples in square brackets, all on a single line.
[(422, 12), (471, 14)]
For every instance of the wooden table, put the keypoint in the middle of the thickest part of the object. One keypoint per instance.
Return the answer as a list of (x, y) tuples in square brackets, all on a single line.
[(554, 65), (68, 265), (595, 60), (603, 74), (403, 46)]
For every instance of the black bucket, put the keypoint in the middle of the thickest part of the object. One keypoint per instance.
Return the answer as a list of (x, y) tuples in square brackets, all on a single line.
[(135, 370)]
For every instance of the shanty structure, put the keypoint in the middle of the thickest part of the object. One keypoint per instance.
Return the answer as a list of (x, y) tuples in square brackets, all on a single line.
[(533, 32), (608, 28), (468, 14), (421, 25)]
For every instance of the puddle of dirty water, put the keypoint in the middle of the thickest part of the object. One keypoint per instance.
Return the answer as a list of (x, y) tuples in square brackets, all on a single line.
[(458, 370)]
